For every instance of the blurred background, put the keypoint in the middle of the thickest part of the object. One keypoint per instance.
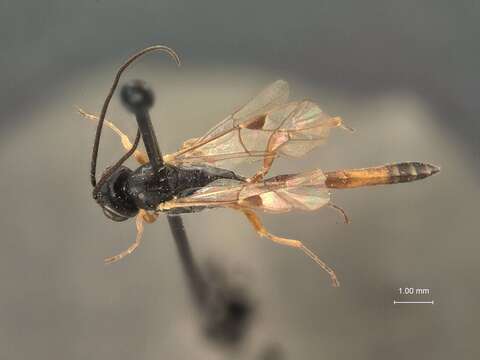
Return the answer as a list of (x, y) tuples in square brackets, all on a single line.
[(402, 73)]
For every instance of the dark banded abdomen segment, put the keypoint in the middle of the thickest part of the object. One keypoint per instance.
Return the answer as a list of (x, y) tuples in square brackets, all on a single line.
[(379, 175)]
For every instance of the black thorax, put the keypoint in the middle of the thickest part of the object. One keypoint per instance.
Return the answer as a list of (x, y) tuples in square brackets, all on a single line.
[(127, 191)]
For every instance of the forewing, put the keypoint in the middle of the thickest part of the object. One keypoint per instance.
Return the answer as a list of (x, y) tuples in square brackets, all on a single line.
[(273, 95), (297, 127), (305, 191), (221, 142), (261, 130)]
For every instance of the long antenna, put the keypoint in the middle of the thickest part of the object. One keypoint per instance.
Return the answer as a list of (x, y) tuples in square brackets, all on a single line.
[(93, 164)]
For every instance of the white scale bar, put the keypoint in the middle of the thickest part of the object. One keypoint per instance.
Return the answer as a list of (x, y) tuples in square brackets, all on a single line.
[(413, 302)]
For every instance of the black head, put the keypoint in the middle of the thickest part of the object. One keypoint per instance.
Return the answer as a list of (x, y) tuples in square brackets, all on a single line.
[(113, 197)]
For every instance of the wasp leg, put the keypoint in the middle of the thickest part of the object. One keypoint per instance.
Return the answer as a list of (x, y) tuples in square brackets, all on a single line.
[(342, 212), (149, 217), (267, 165), (260, 229), (140, 156), (141, 217)]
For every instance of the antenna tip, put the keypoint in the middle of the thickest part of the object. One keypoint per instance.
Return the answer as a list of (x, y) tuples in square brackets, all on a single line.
[(137, 96)]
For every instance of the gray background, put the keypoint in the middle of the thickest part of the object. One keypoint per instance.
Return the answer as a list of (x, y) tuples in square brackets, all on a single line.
[(403, 74)]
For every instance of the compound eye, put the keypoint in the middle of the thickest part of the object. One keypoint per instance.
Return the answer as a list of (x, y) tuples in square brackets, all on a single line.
[(113, 215)]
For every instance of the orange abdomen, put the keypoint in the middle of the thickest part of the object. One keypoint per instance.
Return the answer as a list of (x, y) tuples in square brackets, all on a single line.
[(379, 175)]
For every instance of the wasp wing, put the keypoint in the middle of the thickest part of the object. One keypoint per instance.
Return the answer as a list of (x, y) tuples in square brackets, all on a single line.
[(304, 191), (275, 94), (261, 130)]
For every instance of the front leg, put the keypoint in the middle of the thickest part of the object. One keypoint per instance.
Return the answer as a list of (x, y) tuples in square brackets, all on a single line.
[(140, 156), (142, 217)]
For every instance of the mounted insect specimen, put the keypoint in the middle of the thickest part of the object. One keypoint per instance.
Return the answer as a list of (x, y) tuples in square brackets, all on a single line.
[(200, 174)]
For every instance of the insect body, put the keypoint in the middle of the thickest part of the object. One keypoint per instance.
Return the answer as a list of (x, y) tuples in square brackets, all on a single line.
[(144, 189), (200, 174)]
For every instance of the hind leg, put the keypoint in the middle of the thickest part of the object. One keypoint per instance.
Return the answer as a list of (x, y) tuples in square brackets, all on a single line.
[(260, 229), (267, 165)]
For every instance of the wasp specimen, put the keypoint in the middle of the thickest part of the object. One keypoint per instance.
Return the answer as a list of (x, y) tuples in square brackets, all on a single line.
[(200, 174)]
